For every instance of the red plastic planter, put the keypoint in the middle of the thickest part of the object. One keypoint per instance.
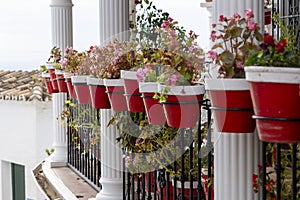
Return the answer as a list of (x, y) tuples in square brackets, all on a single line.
[(51, 70), (231, 104), (154, 109), (277, 118), (62, 86), (70, 87), (81, 89), (115, 90), (48, 83), (98, 93), (132, 93), (182, 107)]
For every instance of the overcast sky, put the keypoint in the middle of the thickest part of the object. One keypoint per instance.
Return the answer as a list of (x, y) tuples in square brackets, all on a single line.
[(25, 28)]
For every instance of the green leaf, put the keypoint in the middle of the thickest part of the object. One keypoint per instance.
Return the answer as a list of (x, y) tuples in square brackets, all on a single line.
[(258, 36)]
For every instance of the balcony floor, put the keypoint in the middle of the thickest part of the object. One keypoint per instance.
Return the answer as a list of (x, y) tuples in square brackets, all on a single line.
[(63, 183)]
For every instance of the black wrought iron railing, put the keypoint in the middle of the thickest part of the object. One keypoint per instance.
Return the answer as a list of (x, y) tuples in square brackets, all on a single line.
[(84, 141), (289, 11), (188, 177)]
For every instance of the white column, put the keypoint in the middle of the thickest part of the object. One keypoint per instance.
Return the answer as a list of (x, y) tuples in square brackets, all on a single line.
[(59, 157), (236, 156), (62, 23), (229, 7), (114, 22), (111, 160), (209, 7), (62, 37)]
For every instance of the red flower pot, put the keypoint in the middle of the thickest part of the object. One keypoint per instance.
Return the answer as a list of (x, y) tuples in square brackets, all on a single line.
[(149, 178), (164, 191), (81, 89), (268, 16), (115, 90), (132, 93), (48, 83), (182, 106), (51, 70), (98, 93), (154, 109), (277, 119), (231, 104), (62, 86), (187, 190), (70, 86)]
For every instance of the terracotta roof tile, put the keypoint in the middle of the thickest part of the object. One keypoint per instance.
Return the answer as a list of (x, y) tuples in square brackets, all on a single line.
[(22, 86)]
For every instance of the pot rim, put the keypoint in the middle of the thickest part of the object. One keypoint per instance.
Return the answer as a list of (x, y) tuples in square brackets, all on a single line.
[(148, 87), (226, 84), (272, 74), (94, 81), (113, 82), (126, 74), (79, 79), (184, 90)]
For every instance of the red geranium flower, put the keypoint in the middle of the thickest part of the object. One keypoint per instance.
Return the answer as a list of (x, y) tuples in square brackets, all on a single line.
[(268, 39), (281, 46)]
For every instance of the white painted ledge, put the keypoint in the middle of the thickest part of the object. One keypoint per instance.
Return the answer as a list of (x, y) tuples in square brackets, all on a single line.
[(57, 183)]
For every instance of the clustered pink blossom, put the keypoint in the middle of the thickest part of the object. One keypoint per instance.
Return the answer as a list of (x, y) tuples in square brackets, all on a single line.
[(212, 54), (172, 79), (249, 13), (142, 73), (252, 25)]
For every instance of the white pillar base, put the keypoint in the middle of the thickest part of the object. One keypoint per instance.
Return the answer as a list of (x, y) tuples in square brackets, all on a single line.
[(59, 157), (112, 189)]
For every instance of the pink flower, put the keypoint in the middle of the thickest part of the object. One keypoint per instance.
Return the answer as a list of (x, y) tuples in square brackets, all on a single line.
[(213, 36), (212, 55), (249, 13), (252, 25), (64, 63), (239, 65), (236, 16), (170, 19), (173, 79), (140, 75), (222, 18), (188, 64), (164, 24), (191, 32)]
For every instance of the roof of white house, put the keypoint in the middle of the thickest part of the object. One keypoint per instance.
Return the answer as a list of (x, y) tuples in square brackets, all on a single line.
[(22, 86)]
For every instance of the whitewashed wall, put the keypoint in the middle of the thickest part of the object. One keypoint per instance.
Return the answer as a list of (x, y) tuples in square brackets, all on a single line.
[(25, 133)]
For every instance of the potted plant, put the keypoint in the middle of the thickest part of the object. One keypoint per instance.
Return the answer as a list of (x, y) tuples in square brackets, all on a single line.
[(73, 66), (234, 39), (131, 86), (112, 75), (60, 78), (69, 65), (179, 90), (275, 69), (52, 63), (47, 80), (98, 60), (148, 86)]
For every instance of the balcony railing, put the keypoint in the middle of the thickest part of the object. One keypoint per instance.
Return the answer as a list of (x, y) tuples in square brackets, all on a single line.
[(84, 142), (279, 175)]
